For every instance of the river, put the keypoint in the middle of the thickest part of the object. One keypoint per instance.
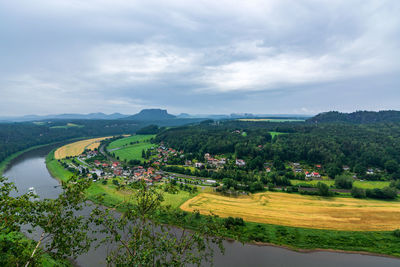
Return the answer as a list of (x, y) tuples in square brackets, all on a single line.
[(30, 170)]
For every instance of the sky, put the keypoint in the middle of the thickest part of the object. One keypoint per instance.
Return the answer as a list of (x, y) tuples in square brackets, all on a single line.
[(199, 57)]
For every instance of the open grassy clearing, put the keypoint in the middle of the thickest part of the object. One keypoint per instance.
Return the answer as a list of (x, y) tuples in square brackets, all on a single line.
[(68, 125), (76, 148), (360, 184), (132, 152), (303, 211), (128, 140), (273, 134)]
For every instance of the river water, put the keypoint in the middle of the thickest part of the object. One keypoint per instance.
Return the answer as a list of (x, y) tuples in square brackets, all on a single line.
[(29, 170)]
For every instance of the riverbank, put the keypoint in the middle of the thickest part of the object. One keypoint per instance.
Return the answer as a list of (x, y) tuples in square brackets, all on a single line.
[(5, 163)]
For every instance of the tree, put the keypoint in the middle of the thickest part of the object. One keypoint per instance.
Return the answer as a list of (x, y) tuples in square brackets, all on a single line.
[(391, 166), (323, 189), (343, 182), (140, 240), (358, 192), (63, 232)]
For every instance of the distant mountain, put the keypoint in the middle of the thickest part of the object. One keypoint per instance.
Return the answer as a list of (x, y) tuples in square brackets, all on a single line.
[(151, 115), (357, 117), (72, 116)]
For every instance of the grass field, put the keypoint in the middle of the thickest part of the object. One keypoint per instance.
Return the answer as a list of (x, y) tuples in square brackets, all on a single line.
[(76, 148), (363, 184), (273, 134), (127, 151), (68, 125), (132, 151), (126, 141), (302, 211), (271, 120)]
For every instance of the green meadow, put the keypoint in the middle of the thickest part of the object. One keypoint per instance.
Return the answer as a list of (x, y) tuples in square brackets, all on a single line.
[(127, 140)]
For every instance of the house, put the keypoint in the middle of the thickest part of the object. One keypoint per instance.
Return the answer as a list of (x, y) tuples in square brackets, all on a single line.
[(104, 165), (346, 168), (240, 162), (308, 175), (315, 175), (298, 170), (117, 172), (268, 169), (198, 164), (318, 166), (207, 156), (370, 171), (188, 162), (115, 164), (211, 181), (97, 163), (157, 178)]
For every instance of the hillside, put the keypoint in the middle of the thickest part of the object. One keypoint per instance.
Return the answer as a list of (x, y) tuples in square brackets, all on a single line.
[(357, 117), (151, 115)]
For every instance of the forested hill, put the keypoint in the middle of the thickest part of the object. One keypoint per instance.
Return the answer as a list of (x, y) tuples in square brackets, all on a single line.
[(357, 117), (360, 146)]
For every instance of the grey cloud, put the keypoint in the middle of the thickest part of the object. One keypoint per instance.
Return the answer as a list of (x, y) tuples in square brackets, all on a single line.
[(198, 56)]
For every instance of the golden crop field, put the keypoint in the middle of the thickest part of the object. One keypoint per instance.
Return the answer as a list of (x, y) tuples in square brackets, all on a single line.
[(302, 211), (75, 149)]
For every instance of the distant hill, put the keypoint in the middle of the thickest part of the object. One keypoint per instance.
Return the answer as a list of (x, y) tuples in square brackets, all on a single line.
[(72, 116), (357, 117), (151, 115)]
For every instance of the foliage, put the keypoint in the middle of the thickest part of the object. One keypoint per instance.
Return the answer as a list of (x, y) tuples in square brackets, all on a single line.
[(344, 182), (384, 193), (140, 240), (358, 192), (323, 189), (396, 233), (359, 146)]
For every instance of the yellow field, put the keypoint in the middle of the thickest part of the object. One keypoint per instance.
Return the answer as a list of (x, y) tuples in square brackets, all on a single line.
[(302, 211), (75, 149)]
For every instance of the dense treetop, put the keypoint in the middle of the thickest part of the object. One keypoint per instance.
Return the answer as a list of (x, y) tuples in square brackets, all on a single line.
[(357, 117)]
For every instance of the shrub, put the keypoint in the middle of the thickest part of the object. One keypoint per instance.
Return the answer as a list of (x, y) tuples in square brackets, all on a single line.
[(323, 189), (358, 192), (384, 193), (344, 182), (396, 233)]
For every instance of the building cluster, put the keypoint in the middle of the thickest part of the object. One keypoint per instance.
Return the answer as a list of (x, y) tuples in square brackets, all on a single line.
[(108, 170), (163, 154)]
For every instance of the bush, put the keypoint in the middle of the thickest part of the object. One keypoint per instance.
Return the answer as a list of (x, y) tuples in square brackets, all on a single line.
[(323, 189), (343, 182), (384, 193), (396, 233), (231, 222), (358, 192)]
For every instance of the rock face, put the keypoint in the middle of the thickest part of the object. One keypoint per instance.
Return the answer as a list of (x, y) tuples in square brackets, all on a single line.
[(151, 115)]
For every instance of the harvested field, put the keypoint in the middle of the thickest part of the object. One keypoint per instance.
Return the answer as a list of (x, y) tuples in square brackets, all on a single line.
[(75, 149), (302, 211)]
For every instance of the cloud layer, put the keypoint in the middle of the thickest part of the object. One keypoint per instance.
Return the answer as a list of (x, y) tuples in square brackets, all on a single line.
[(199, 56)]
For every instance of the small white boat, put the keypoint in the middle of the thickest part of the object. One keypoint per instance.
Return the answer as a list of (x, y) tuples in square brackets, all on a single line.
[(32, 190)]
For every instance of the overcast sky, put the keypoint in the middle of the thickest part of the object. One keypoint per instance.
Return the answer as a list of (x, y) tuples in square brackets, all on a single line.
[(211, 56)]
